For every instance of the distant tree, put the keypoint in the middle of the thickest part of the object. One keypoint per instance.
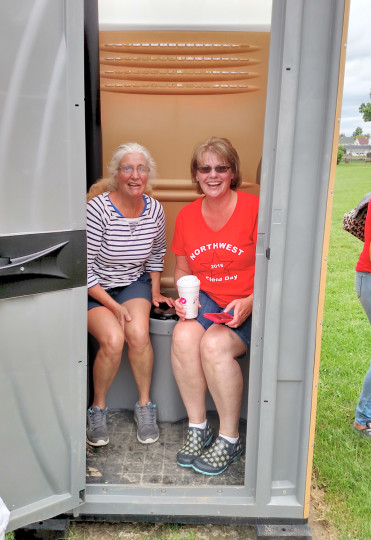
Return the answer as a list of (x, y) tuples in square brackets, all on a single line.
[(341, 152), (357, 132), (365, 110)]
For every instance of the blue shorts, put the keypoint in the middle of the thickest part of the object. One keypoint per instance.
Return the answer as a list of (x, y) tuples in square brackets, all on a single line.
[(209, 306), (141, 288)]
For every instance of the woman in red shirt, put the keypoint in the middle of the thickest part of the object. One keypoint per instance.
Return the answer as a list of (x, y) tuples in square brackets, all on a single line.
[(362, 422), (215, 240)]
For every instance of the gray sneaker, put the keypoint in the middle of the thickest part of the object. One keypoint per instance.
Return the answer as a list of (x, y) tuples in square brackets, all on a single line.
[(145, 417), (96, 432)]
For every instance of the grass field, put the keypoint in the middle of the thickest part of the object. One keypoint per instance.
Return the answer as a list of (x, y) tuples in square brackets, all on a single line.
[(341, 459)]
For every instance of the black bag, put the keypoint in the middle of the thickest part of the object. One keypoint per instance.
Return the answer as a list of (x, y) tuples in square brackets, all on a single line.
[(354, 221)]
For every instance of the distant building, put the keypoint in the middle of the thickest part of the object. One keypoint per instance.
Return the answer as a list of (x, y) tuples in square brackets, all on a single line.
[(355, 147), (362, 141)]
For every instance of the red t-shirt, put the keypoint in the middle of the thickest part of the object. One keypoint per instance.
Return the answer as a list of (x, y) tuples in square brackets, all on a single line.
[(224, 261), (364, 262)]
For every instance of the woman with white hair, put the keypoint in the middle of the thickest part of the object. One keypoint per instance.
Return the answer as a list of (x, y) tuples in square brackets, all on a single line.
[(126, 244)]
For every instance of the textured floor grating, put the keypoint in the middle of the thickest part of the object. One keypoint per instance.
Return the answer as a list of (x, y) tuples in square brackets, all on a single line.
[(126, 461)]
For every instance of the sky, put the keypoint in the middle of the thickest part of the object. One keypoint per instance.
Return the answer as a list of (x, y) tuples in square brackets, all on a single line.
[(357, 79)]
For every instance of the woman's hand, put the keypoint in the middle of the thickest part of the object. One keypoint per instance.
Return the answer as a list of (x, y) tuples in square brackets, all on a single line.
[(122, 315), (159, 298), (179, 309), (242, 310)]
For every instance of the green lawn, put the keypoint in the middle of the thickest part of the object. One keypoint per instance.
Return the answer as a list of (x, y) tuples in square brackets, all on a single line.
[(341, 459)]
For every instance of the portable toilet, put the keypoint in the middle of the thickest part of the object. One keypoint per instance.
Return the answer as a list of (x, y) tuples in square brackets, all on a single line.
[(285, 109)]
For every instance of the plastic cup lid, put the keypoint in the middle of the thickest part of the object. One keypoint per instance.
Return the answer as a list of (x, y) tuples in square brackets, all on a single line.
[(188, 281)]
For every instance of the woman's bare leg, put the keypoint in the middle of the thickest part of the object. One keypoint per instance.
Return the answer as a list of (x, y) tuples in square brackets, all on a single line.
[(219, 348), (187, 368), (104, 326), (140, 351)]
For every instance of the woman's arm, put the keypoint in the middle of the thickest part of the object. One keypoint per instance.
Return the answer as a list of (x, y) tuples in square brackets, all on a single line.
[(157, 297), (94, 235), (243, 306), (155, 260), (182, 267), (94, 240)]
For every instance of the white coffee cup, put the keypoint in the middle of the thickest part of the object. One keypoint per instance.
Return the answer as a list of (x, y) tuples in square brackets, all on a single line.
[(189, 290)]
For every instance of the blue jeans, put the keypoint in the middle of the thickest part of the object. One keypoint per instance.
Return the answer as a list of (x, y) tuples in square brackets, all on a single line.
[(363, 290)]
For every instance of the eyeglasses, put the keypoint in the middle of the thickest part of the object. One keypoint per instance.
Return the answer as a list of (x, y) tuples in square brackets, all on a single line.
[(219, 169), (129, 169)]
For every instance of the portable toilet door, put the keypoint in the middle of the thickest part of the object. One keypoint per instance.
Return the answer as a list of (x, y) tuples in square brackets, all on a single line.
[(42, 258)]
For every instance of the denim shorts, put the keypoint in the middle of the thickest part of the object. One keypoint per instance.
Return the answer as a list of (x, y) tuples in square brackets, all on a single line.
[(209, 306), (141, 288)]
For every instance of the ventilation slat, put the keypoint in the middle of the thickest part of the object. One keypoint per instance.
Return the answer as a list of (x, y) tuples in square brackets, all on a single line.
[(173, 61), (179, 48), (158, 74), (176, 88)]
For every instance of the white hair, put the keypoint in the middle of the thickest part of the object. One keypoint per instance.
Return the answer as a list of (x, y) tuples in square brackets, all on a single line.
[(130, 148)]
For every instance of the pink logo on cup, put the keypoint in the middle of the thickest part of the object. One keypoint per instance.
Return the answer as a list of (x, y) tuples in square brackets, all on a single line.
[(182, 300)]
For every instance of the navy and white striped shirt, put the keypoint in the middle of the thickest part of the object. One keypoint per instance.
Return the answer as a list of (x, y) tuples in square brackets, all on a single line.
[(117, 253)]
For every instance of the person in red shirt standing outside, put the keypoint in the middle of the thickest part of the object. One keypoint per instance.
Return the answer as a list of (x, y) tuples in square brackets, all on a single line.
[(214, 239), (362, 422)]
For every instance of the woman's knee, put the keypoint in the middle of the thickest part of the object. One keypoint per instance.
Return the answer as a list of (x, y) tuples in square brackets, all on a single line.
[(137, 335), (213, 344), (185, 346), (182, 338), (112, 342)]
